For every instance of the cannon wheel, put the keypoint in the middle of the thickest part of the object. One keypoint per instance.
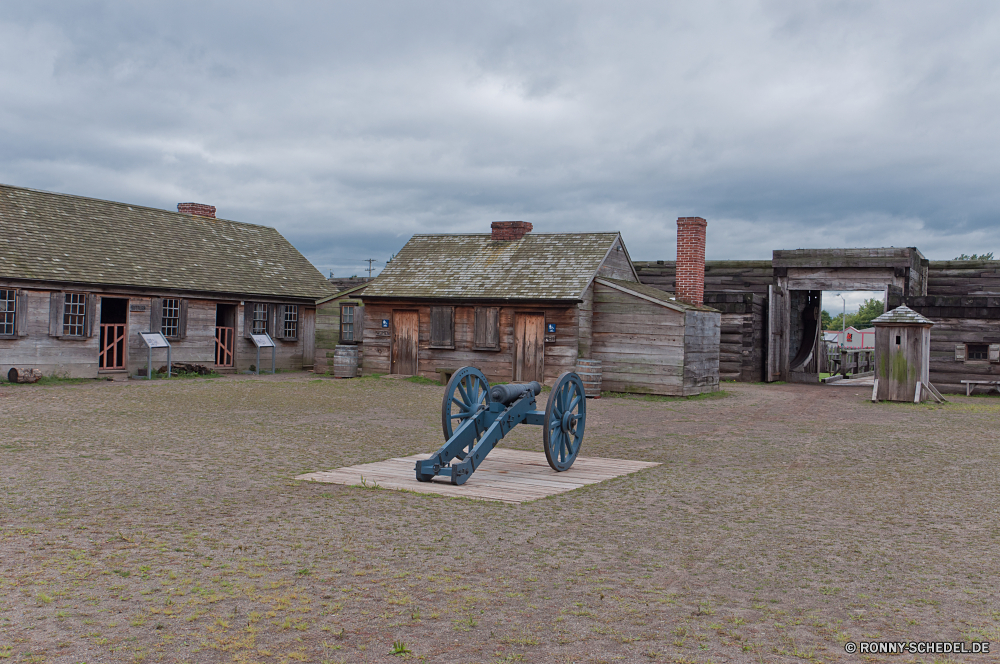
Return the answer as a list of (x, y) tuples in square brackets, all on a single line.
[(467, 393), (565, 416)]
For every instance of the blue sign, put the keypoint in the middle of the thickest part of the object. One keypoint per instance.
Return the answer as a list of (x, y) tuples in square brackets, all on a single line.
[(385, 322), (552, 328)]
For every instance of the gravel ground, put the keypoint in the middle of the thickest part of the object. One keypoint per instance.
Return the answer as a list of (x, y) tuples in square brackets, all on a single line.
[(159, 522)]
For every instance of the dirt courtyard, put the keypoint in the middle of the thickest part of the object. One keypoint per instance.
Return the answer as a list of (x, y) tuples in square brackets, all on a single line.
[(159, 522)]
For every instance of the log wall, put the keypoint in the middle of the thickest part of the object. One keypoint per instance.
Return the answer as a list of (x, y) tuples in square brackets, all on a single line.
[(968, 278), (560, 352), (959, 320), (742, 334), (720, 276)]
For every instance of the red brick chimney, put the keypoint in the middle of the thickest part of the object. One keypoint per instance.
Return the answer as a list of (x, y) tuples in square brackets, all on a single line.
[(197, 209), (510, 230), (690, 286)]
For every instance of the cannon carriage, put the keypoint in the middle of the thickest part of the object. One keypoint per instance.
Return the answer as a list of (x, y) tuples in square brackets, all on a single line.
[(475, 418)]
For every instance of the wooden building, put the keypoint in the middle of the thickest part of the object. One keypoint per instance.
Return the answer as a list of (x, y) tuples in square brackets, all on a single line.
[(339, 321), (522, 306), (80, 278), (902, 356)]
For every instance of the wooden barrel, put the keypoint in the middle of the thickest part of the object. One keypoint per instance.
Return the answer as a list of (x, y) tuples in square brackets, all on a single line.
[(345, 362), (590, 373)]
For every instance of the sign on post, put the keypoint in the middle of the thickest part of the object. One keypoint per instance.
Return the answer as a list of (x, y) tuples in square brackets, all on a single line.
[(263, 341), (155, 340)]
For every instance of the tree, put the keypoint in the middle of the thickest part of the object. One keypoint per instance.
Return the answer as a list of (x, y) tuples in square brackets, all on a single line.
[(870, 310), (975, 257), (826, 320)]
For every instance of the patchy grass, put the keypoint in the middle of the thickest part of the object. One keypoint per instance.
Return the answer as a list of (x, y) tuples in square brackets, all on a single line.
[(718, 394)]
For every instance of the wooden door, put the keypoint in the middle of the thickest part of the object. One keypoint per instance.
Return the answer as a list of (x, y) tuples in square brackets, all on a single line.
[(405, 328), (529, 348), (308, 333), (777, 324)]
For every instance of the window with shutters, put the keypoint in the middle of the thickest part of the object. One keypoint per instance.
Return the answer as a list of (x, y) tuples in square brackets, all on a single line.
[(347, 314), (259, 318), (487, 332), (977, 352), (442, 327), (75, 315), (8, 309), (291, 322), (170, 322)]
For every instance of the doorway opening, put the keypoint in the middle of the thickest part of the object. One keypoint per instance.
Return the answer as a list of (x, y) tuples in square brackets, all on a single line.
[(114, 322), (848, 342), (225, 334)]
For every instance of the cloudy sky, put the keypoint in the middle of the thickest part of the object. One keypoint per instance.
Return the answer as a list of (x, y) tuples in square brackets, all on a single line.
[(349, 126)]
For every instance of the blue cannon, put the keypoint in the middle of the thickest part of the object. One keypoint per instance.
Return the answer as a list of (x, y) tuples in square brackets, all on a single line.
[(475, 418)]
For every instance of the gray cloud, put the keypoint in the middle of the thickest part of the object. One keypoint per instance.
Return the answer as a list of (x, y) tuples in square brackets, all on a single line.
[(351, 126)]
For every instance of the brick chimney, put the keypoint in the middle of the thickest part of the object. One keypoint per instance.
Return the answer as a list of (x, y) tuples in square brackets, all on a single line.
[(510, 230), (197, 209), (691, 260)]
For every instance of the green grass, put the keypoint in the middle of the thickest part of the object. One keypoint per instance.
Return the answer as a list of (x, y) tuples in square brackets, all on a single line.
[(420, 380), (54, 380)]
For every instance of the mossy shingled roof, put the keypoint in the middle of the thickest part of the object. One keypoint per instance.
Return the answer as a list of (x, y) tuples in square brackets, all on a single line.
[(71, 239), (539, 266)]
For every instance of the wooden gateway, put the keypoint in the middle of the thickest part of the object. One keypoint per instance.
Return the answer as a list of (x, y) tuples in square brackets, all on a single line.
[(902, 357), (520, 307), (81, 278)]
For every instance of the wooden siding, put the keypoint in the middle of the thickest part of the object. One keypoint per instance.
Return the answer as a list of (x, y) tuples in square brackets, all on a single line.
[(328, 332), (498, 365), (78, 357), (640, 344), (586, 323), (617, 264), (701, 352)]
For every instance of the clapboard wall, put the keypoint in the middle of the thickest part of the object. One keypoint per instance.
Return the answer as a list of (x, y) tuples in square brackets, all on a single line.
[(328, 330), (77, 357), (649, 348)]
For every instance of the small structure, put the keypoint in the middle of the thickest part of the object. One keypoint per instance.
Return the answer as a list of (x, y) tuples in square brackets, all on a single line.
[(521, 306), (902, 356)]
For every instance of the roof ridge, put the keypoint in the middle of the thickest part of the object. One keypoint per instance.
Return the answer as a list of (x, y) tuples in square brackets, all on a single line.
[(128, 205)]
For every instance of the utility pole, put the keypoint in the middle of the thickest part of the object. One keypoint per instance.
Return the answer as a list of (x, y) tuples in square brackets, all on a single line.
[(369, 268)]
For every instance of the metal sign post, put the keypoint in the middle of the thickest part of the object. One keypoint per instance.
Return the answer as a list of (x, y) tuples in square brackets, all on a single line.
[(155, 340), (264, 341)]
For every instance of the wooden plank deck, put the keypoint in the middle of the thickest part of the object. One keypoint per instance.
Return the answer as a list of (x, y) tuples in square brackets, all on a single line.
[(510, 476)]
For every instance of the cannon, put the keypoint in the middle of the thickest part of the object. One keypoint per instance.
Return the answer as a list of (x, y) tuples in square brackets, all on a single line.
[(475, 418)]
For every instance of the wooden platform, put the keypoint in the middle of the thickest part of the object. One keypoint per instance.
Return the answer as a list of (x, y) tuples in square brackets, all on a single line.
[(509, 476)]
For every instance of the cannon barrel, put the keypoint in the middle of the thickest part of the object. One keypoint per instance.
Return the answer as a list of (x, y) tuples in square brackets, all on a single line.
[(508, 394)]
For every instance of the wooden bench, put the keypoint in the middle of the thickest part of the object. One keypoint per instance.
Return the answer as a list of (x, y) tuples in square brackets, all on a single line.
[(445, 374), (970, 384)]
